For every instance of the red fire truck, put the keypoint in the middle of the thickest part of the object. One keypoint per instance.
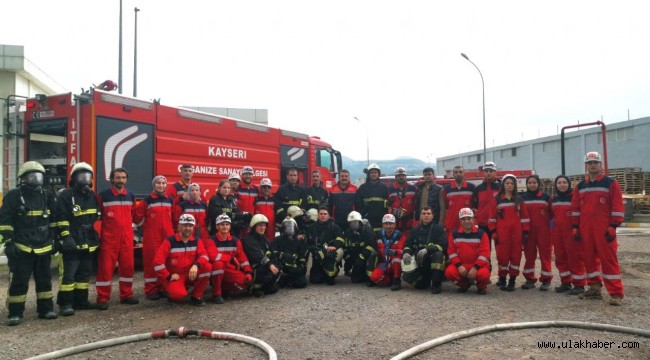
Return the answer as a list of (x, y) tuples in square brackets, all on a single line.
[(108, 130)]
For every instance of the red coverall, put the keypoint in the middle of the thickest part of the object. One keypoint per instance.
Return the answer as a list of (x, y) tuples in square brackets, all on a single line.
[(456, 198), (264, 206), (469, 250), (246, 196), (116, 244), (229, 265), (483, 198), (154, 214), (388, 266), (509, 229), (538, 206), (596, 205), (568, 252), (198, 209), (176, 257), (402, 198), (176, 190)]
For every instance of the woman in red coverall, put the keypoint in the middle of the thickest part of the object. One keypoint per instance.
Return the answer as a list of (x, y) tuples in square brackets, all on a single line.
[(191, 203), (538, 205), (509, 224)]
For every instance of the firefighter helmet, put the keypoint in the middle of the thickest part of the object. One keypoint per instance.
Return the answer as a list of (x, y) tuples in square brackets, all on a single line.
[(30, 166), (593, 156), (490, 165), (81, 166), (509, 176), (313, 214), (465, 212), (234, 176), (373, 166), (257, 219), (354, 216), (294, 211), (223, 218), (187, 219), (388, 218), (400, 171), (410, 271), (247, 170), (266, 182)]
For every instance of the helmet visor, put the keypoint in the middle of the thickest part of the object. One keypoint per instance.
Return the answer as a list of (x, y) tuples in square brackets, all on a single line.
[(83, 177), (33, 178)]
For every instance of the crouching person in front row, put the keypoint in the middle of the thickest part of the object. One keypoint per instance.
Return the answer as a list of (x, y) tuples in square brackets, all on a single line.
[(469, 253), (181, 261), (384, 265), (291, 254), (258, 250), (326, 246)]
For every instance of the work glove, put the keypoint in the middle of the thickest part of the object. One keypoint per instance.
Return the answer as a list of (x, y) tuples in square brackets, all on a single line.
[(610, 234), (495, 238), (406, 258), (10, 250), (391, 252), (248, 279), (68, 244), (234, 261), (576, 234)]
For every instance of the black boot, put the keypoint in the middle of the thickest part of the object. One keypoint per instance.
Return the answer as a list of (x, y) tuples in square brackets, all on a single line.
[(511, 284), (436, 288), (502, 282), (396, 284)]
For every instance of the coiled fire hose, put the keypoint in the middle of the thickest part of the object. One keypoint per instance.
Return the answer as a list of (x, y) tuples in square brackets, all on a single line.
[(518, 326), (182, 332)]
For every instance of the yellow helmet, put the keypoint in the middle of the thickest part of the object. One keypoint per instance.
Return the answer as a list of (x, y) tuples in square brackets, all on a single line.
[(30, 166)]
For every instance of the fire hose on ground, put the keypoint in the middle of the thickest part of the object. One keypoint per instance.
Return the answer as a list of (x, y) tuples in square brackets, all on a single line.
[(518, 326), (182, 332)]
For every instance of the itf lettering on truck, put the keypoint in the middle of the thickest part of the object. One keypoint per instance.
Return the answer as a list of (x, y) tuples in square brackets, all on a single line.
[(226, 152), (72, 139)]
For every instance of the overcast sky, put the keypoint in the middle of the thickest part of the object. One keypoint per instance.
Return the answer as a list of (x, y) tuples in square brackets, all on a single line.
[(395, 65)]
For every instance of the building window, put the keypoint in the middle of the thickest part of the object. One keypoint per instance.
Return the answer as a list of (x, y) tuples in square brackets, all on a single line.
[(479, 158), (513, 152), (551, 146), (624, 133)]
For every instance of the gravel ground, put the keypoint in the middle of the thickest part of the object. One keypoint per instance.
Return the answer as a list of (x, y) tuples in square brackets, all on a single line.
[(351, 321)]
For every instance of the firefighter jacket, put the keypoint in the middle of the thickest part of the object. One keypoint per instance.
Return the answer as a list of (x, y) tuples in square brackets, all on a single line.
[(394, 241), (219, 205), (316, 196), (325, 234), (362, 241), (264, 206), (456, 198), (507, 214), (341, 202), (116, 209), (599, 201), (538, 205), (154, 214), (290, 252), (482, 199), (258, 250), (469, 249), (401, 203), (372, 202), (177, 257), (433, 199), (198, 209), (26, 221), (561, 210), (426, 236), (224, 249), (76, 213), (246, 196), (286, 196)]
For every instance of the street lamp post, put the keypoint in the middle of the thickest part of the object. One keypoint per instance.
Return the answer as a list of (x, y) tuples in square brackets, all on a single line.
[(483, 85), (135, 55), (119, 62), (367, 140)]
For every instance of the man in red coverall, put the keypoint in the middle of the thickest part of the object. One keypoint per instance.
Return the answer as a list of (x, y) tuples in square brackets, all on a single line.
[(116, 244), (469, 254), (247, 191), (456, 196), (597, 206), (178, 189), (385, 266), (181, 262), (401, 201)]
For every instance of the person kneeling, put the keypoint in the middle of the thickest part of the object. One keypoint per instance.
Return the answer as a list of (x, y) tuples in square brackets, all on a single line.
[(258, 250), (291, 253), (384, 266)]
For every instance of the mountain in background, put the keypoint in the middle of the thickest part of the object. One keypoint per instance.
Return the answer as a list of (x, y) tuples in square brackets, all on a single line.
[(413, 166)]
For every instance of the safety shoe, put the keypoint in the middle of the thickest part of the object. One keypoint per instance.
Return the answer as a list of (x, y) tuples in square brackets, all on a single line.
[(615, 301), (563, 288), (511, 285), (129, 301), (592, 294), (529, 284), (545, 286), (217, 299), (502, 282), (14, 320), (153, 296), (462, 289), (481, 291), (370, 283), (163, 294), (50, 315), (67, 310), (396, 284), (84, 306), (101, 305), (436, 288), (197, 302), (577, 290)]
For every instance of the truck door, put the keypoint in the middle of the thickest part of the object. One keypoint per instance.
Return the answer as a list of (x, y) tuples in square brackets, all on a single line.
[(46, 143)]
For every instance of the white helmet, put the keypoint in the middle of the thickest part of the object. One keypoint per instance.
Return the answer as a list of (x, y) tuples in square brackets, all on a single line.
[(388, 218), (187, 219), (313, 214), (490, 165), (81, 166), (354, 216), (223, 218), (465, 212), (593, 156), (509, 176), (258, 218), (247, 170), (30, 166), (266, 182), (294, 211), (234, 176), (373, 166), (400, 171)]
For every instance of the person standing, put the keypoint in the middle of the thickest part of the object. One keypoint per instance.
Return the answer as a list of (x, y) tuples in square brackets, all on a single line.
[(372, 198), (25, 221), (288, 194), (597, 206), (192, 203), (264, 205), (178, 189), (538, 205), (116, 244), (224, 203), (76, 214), (428, 194), (401, 201), (342, 197), (456, 196), (483, 196), (316, 194), (247, 191)]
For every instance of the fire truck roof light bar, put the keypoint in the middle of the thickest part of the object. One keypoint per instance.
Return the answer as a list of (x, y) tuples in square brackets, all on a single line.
[(126, 101), (295, 134), (251, 126), (199, 116)]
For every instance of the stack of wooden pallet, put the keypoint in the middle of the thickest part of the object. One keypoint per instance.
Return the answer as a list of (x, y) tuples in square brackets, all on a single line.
[(630, 179), (646, 183)]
